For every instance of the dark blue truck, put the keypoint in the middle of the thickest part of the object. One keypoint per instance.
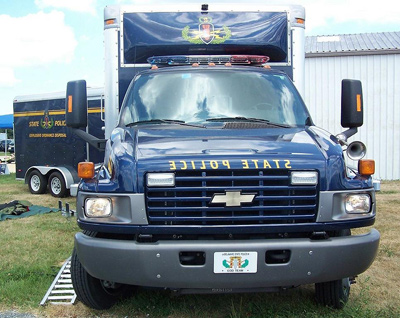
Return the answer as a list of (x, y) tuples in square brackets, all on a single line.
[(215, 178)]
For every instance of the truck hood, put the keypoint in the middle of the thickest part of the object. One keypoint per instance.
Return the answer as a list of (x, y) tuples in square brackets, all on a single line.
[(131, 153), (154, 143)]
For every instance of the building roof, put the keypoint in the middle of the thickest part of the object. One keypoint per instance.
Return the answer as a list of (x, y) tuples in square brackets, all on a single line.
[(353, 44)]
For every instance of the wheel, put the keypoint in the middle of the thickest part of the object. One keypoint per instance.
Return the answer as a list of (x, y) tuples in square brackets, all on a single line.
[(335, 293), (37, 182), (93, 292), (57, 185)]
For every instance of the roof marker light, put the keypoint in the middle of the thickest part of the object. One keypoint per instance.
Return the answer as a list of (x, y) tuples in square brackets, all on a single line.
[(109, 21)]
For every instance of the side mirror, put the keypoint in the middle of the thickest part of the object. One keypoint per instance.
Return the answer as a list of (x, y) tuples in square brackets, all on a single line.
[(76, 104), (352, 104)]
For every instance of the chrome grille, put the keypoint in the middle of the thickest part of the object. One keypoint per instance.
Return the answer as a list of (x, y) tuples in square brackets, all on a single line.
[(275, 202)]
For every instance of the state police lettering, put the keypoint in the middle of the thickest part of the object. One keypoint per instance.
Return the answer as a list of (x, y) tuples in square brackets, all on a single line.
[(226, 164)]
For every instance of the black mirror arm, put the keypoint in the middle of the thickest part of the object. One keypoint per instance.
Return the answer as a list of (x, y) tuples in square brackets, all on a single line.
[(95, 142)]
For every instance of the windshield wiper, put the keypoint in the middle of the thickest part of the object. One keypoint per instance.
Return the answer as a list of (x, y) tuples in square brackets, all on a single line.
[(253, 120), (163, 121)]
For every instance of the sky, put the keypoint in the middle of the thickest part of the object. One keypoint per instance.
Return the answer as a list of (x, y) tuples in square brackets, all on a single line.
[(46, 43)]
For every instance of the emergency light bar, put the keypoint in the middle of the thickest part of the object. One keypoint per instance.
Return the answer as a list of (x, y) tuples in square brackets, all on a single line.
[(207, 59)]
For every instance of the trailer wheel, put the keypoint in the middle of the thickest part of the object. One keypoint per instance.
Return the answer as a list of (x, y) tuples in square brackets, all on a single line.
[(57, 185), (93, 292), (335, 293), (37, 182)]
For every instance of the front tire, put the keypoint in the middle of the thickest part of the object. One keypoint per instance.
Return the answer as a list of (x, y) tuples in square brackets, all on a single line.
[(335, 293), (37, 183), (93, 292)]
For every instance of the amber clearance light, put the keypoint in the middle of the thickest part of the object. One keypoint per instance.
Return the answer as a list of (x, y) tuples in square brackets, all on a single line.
[(86, 170), (366, 167)]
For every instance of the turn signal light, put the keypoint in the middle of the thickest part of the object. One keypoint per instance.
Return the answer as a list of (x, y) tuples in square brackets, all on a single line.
[(366, 167), (86, 170)]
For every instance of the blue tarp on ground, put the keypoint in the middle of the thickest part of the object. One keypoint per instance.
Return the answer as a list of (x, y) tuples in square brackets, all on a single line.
[(6, 121)]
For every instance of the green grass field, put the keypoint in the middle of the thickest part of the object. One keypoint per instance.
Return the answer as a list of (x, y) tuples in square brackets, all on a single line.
[(33, 250)]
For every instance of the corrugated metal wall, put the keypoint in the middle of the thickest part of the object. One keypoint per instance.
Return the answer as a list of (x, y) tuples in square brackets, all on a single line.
[(380, 76)]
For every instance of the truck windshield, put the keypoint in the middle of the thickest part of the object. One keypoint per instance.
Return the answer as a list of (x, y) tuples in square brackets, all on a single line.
[(201, 95)]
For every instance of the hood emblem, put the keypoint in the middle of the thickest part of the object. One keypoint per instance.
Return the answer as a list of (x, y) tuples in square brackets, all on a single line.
[(232, 198)]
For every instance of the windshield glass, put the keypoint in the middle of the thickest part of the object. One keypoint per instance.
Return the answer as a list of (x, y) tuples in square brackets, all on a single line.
[(198, 95)]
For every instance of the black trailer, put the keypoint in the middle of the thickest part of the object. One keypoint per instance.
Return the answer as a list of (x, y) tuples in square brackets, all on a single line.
[(46, 151)]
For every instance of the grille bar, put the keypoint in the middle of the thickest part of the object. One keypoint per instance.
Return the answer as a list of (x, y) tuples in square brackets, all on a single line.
[(248, 208), (236, 218), (208, 198), (227, 188), (188, 203)]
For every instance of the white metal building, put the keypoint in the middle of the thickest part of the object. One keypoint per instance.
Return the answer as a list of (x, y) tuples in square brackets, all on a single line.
[(373, 58)]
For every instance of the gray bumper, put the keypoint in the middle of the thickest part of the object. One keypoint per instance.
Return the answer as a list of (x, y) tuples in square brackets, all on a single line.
[(158, 264)]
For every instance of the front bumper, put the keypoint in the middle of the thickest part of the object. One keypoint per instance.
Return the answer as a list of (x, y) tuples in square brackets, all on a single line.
[(158, 264)]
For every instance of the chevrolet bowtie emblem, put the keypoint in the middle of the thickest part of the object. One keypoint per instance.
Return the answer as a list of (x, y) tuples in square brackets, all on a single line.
[(232, 198)]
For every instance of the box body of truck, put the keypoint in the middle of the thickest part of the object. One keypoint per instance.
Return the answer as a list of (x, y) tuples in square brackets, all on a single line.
[(45, 146), (215, 178)]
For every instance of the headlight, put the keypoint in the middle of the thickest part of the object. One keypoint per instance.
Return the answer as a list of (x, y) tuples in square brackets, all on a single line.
[(304, 178), (160, 179), (358, 203), (98, 207)]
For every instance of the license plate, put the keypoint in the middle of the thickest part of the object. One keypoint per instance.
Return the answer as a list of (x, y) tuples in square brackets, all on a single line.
[(235, 262)]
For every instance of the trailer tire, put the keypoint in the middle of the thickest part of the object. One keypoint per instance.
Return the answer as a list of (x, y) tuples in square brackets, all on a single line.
[(93, 292), (37, 183), (335, 293), (57, 185)]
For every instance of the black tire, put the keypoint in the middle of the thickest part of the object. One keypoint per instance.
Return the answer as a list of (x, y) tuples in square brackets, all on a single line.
[(335, 293), (57, 185), (93, 292), (37, 183)]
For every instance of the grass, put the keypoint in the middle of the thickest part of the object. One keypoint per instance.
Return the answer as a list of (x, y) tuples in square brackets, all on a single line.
[(33, 250)]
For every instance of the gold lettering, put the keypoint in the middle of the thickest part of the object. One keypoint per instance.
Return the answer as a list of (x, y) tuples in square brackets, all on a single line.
[(59, 123), (266, 164), (184, 165), (226, 164), (203, 165), (34, 124), (245, 164), (287, 164), (214, 164), (276, 162), (193, 165), (255, 163), (172, 165)]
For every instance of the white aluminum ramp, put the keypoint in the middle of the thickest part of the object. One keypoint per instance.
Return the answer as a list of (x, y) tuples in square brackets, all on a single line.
[(61, 291)]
